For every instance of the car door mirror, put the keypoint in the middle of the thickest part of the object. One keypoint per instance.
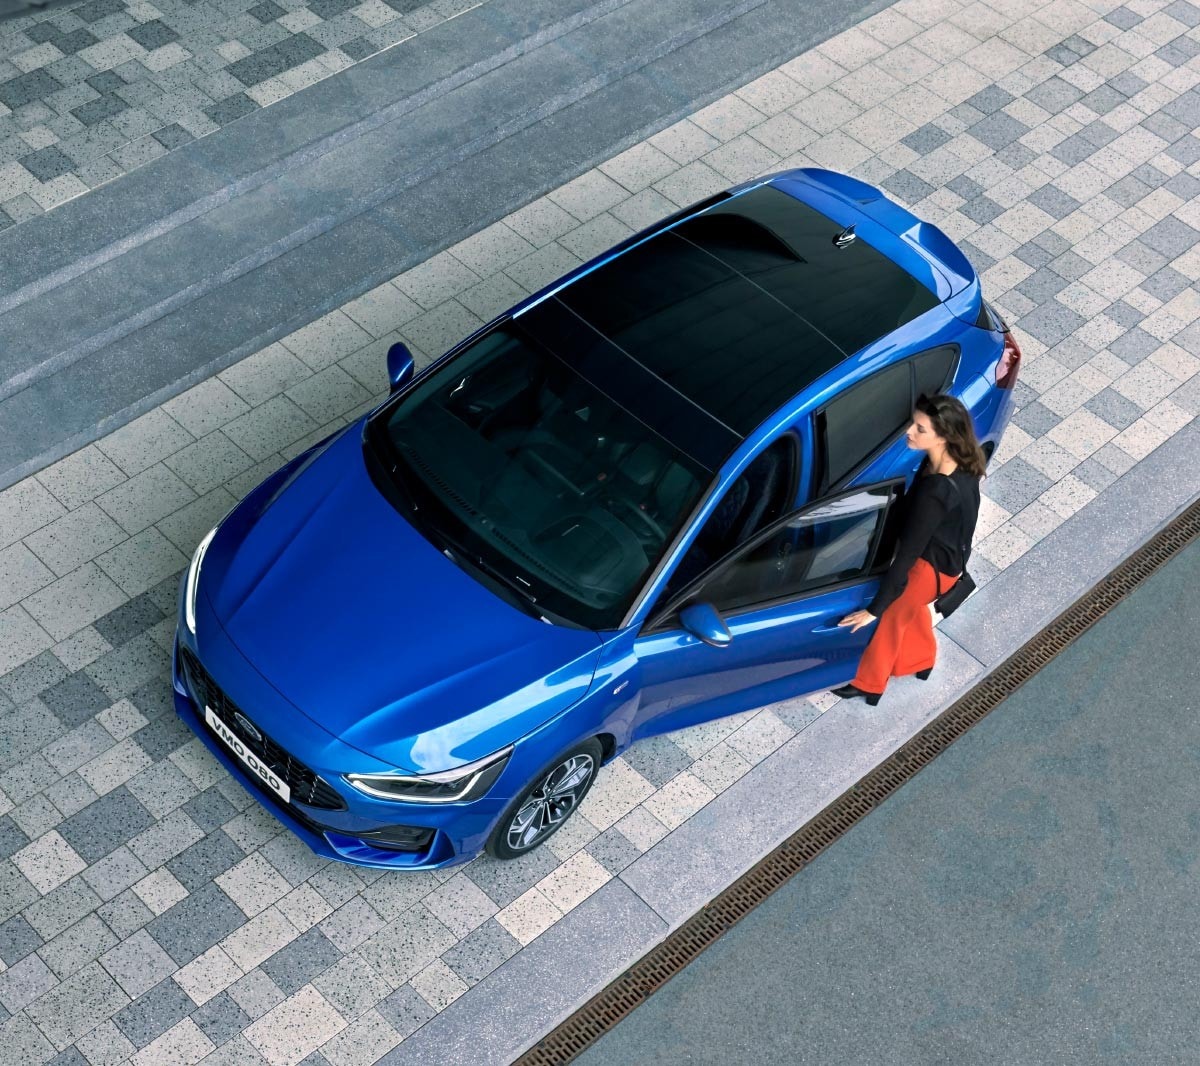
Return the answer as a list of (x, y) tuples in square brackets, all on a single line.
[(400, 365), (705, 623)]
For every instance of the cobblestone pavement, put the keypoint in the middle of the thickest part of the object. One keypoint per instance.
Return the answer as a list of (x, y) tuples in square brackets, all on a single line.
[(92, 90), (151, 911)]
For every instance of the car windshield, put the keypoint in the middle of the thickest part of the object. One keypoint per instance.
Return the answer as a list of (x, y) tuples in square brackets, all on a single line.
[(521, 467)]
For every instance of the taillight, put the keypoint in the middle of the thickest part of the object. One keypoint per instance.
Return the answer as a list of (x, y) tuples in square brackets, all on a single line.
[(1010, 363)]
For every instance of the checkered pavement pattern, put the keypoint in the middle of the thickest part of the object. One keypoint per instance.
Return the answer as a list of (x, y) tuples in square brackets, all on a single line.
[(151, 911), (91, 90)]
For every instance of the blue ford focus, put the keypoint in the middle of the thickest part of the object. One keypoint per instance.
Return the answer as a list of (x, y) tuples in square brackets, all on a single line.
[(641, 499)]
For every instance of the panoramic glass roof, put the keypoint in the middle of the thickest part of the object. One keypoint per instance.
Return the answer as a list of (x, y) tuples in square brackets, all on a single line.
[(743, 306)]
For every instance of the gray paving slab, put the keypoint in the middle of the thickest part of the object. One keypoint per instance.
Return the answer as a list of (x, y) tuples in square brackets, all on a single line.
[(1019, 901), (607, 932)]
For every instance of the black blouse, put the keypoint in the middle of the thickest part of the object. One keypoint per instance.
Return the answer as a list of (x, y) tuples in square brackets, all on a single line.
[(935, 522)]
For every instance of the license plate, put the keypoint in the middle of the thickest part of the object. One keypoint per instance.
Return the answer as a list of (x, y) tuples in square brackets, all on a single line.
[(264, 773)]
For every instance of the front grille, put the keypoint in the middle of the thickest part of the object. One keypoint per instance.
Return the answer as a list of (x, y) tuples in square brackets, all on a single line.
[(306, 786)]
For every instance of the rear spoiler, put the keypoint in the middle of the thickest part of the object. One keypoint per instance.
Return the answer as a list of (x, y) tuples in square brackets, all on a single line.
[(923, 237)]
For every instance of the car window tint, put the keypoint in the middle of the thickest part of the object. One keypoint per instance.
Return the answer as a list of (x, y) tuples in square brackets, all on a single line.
[(756, 499), (741, 307), (820, 547), (528, 467), (703, 328), (933, 369), (863, 418)]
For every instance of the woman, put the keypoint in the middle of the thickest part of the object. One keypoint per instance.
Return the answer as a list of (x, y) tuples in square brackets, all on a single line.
[(937, 521)]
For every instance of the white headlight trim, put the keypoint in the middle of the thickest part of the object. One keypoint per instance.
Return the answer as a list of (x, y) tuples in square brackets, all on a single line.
[(193, 581), (468, 774)]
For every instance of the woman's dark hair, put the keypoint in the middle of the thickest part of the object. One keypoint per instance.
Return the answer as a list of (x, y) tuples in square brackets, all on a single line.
[(952, 422)]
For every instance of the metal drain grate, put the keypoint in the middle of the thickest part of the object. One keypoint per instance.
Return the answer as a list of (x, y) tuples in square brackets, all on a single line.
[(654, 969)]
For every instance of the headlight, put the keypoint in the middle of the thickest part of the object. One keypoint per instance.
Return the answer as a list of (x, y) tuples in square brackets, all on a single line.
[(450, 786), (193, 581)]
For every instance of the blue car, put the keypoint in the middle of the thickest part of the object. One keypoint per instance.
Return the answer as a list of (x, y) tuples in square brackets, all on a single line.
[(639, 500)]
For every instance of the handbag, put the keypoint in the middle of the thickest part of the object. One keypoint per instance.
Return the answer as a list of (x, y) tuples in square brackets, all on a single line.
[(949, 601)]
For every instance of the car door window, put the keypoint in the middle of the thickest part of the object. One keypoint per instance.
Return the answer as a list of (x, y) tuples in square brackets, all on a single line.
[(861, 421), (837, 541), (933, 369), (764, 491), (858, 422)]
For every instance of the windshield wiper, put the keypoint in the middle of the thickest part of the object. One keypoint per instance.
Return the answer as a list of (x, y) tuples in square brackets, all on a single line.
[(525, 598)]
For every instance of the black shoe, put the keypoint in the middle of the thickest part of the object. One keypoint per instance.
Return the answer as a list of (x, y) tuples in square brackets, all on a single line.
[(924, 674), (848, 692)]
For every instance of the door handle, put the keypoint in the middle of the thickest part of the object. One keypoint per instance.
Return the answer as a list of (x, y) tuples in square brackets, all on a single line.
[(832, 628)]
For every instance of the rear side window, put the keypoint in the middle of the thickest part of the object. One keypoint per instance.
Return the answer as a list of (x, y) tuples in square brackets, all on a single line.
[(863, 419), (933, 370), (854, 425)]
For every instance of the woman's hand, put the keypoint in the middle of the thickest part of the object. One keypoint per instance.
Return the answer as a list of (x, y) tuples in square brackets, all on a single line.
[(857, 619)]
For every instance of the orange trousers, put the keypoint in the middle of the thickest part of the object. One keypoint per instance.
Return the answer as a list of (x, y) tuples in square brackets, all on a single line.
[(903, 642)]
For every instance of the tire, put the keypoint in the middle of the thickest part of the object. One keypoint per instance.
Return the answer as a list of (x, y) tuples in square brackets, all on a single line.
[(529, 821)]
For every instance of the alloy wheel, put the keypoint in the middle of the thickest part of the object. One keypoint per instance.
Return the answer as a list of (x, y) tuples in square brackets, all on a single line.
[(550, 801)]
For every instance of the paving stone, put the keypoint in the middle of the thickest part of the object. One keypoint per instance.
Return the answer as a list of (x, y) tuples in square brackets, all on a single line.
[(24, 982), (161, 788), (31, 678), (105, 825), (296, 1027), (613, 850), (405, 1010), (128, 620), (205, 860), (153, 1013), (77, 945), (114, 873), (1134, 345), (12, 839), (48, 861), (221, 1019), (255, 993), (407, 946), (1041, 285), (195, 924), (113, 767), (60, 908), (156, 703), (481, 952), (73, 601), (17, 939), (1114, 408), (77, 747), (352, 923), (70, 1057), (505, 881), (1053, 201), (294, 965), (209, 809), (36, 816), (657, 760), (78, 1004), (125, 914), (75, 699)]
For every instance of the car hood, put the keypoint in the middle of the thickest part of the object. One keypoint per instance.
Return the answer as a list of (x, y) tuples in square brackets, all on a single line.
[(366, 628)]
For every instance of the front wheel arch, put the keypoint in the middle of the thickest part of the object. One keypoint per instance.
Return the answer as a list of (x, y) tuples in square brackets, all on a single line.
[(587, 754)]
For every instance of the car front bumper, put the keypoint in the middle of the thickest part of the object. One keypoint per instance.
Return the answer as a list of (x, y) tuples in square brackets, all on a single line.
[(456, 831)]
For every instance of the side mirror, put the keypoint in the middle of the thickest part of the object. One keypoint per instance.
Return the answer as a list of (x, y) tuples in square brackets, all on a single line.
[(705, 623), (400, 365)]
